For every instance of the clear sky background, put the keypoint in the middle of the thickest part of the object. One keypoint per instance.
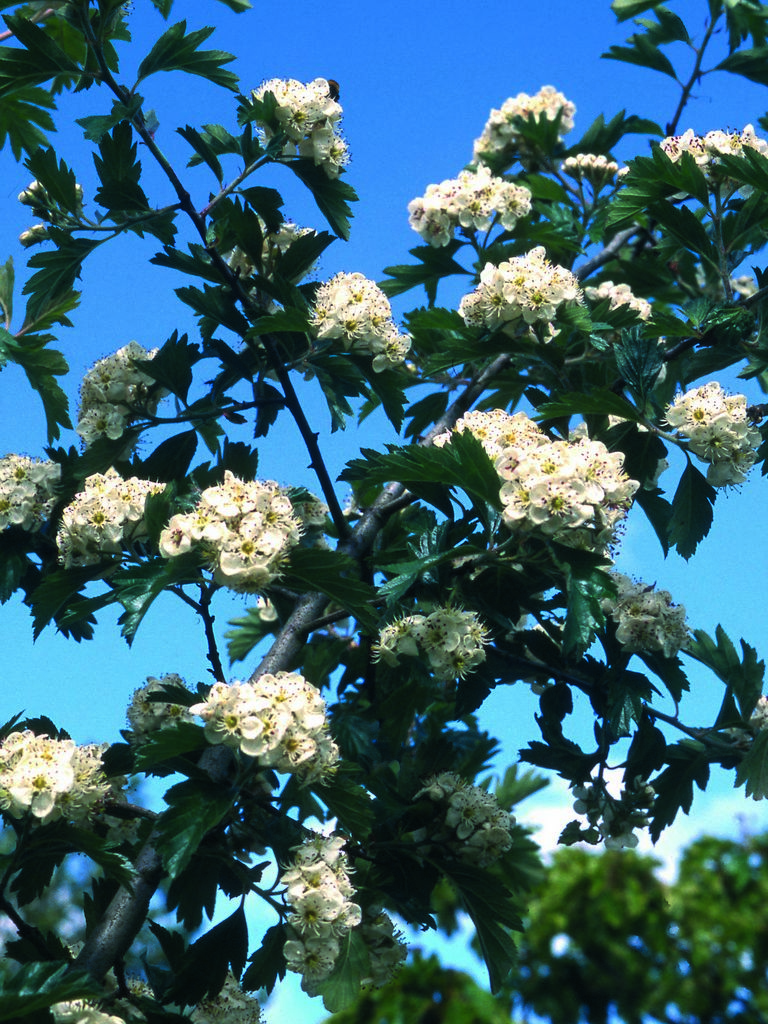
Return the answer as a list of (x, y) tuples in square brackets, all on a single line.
[(418, 80)]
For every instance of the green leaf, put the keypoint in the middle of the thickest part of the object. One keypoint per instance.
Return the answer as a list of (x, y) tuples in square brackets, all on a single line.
[(136, 587), (203, 149), (585, 615), (639, 361), (23, 116), (669, 28), (96, 126), (248, 631), (282, 321), (203, 969), (176, 50), (463, 463), (56, 177), (492, 912), (216, 308), (195, 807), (56, 273), (744, 676), (350, 802), (55, 592), (36, 986), (433, 265), (332, 195), (167, 745), (119, 171), (41, 365), (169, 461), (333, 574), (594, 403), (752, 771), (171, 366), (342, 987), (651, 181), (40, 60), (643, 53), (691, 512), (624, 9), (674, 786), (750, 63), (267, 202), (267, 964)]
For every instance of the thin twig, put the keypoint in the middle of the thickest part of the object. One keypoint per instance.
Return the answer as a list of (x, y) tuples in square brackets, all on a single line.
[(33, 19), (607, 253)]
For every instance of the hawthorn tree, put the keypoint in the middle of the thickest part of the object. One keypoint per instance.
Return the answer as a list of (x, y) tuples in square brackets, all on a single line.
[(336, 788)]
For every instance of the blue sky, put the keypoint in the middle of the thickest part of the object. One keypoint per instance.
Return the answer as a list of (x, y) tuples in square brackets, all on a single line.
[(418, 80)]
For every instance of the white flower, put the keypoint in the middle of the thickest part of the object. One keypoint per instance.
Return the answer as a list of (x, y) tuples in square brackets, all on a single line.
[(473, 201), (471, 824), (595, 168), (707, 150), (279, 719), (50, 778), (80, 1011), (646, 618), (718, 431), (245, 529), (500, 136), (115, 392), (575, 492), (146, 715), (318, 891), (27, 491), (620, 295), (451, 639), (523, 290), (230, 1006), (106, 516), (310, 117), (356, 311)]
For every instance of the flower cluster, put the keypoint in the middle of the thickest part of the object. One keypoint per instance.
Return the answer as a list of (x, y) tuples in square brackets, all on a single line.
[(597, 169), (50, 778), (614, 821), (115, 392), (319, 893), (309, 115), (54, 209), (472, 825), (279, 719), (575, 492), (759, 719), (452, 640), (230, 1006), (524, 289), (146, 715), (386, 947), (103, 518), (356, 310), (707, 149), (646, 619), (500, 136), (472, 201), (245, 529), (620, 295), (718, 431), (27, 491), (496, 430), (274, 244), (81, 1011)]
